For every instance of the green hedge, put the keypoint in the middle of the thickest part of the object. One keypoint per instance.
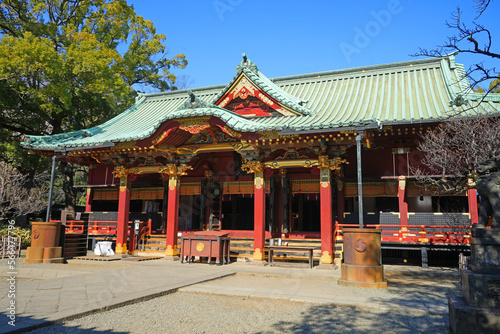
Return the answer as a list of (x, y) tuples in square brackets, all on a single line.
[(18, 231)]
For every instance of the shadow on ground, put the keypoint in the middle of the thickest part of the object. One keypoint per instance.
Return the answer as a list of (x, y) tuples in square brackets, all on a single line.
[(27, 324), (410, 291), (333, 319)]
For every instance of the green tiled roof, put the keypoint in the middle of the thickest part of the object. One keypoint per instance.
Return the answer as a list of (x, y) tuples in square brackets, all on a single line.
[(398, 93)]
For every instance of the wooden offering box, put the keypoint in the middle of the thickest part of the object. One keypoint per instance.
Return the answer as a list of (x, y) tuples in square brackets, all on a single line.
[(205, 244)]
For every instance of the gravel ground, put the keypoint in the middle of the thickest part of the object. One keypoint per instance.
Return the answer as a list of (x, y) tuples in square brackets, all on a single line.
[(183, 312)]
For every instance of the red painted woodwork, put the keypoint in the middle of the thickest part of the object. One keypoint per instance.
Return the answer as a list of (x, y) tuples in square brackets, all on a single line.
[(102, 175), (251, 109), (88, 203), (422, 234), (473, 212), (206, 244), (403, 206), (248, 101), (159, 135), (259, 219), (326, 223), (123, 213), (172, 215), (242, 234)]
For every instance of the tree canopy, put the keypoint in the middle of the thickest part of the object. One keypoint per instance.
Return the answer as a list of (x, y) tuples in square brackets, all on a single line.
[(68, 64), (72, 64)]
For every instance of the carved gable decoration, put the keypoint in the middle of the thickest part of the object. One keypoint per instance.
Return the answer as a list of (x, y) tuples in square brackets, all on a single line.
[(247, 100), (251, 94)]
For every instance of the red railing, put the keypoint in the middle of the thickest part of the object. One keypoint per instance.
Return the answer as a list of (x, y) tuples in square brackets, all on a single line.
[(425, 234), (104, 227), (75, 226)]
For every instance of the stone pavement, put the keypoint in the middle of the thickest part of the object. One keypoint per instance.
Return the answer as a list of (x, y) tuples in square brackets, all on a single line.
[(412, 288), (53, 294), (47, 293)]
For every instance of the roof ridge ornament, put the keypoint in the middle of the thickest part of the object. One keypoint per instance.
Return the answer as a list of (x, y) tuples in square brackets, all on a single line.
[(245, 62), (140, 96), (194, 102), (458, 101)]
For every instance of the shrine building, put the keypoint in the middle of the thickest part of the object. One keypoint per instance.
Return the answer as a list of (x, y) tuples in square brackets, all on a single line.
[(264, 158)]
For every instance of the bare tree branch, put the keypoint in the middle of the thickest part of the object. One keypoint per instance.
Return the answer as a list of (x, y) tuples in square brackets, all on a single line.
[(16, 197), (454, 150)]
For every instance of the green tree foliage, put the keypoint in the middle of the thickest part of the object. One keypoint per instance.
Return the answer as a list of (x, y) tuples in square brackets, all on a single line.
[(71, 64)]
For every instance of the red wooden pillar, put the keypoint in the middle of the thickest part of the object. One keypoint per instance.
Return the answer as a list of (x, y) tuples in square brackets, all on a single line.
[(173, 214), (403, 206), (174, 173), (326, 222), (259, 229), (472, 198), (123, 210), (259, 215), (88, 203)]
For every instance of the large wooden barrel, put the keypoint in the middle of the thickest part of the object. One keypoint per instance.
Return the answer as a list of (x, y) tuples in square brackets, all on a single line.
[(362, 265), (45, 234)]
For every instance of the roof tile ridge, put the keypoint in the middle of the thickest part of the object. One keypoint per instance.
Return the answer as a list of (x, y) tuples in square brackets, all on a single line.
[(277, 92), (52, 137), (416, 62), (182, 91)]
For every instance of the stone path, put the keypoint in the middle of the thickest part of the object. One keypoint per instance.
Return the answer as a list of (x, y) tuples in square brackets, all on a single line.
[(48, 293), (66, 296)]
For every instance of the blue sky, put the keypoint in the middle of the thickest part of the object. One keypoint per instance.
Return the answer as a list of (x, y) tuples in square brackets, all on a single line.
[(296, 37)]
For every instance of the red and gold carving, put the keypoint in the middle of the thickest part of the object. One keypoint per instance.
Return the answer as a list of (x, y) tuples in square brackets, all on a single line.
[(177, 170), (244, 88), (230, 131), (194, 129), (333, 164), (161, 137), (272, 134), (120, 172), (253, 166), (255, 102)]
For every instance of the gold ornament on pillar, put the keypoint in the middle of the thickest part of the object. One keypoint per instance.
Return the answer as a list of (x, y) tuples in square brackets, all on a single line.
[(334, 164), (325, 165), (120, 172), (177, 170), (253, 166), (402, 182), (257, 255), (257, 168), (172, 173)]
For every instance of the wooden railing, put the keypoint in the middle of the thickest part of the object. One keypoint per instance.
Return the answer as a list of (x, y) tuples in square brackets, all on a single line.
[(424, 234), (104, 227)]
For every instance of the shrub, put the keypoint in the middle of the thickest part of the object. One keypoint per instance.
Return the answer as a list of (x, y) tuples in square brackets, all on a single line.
[(24, 233)]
